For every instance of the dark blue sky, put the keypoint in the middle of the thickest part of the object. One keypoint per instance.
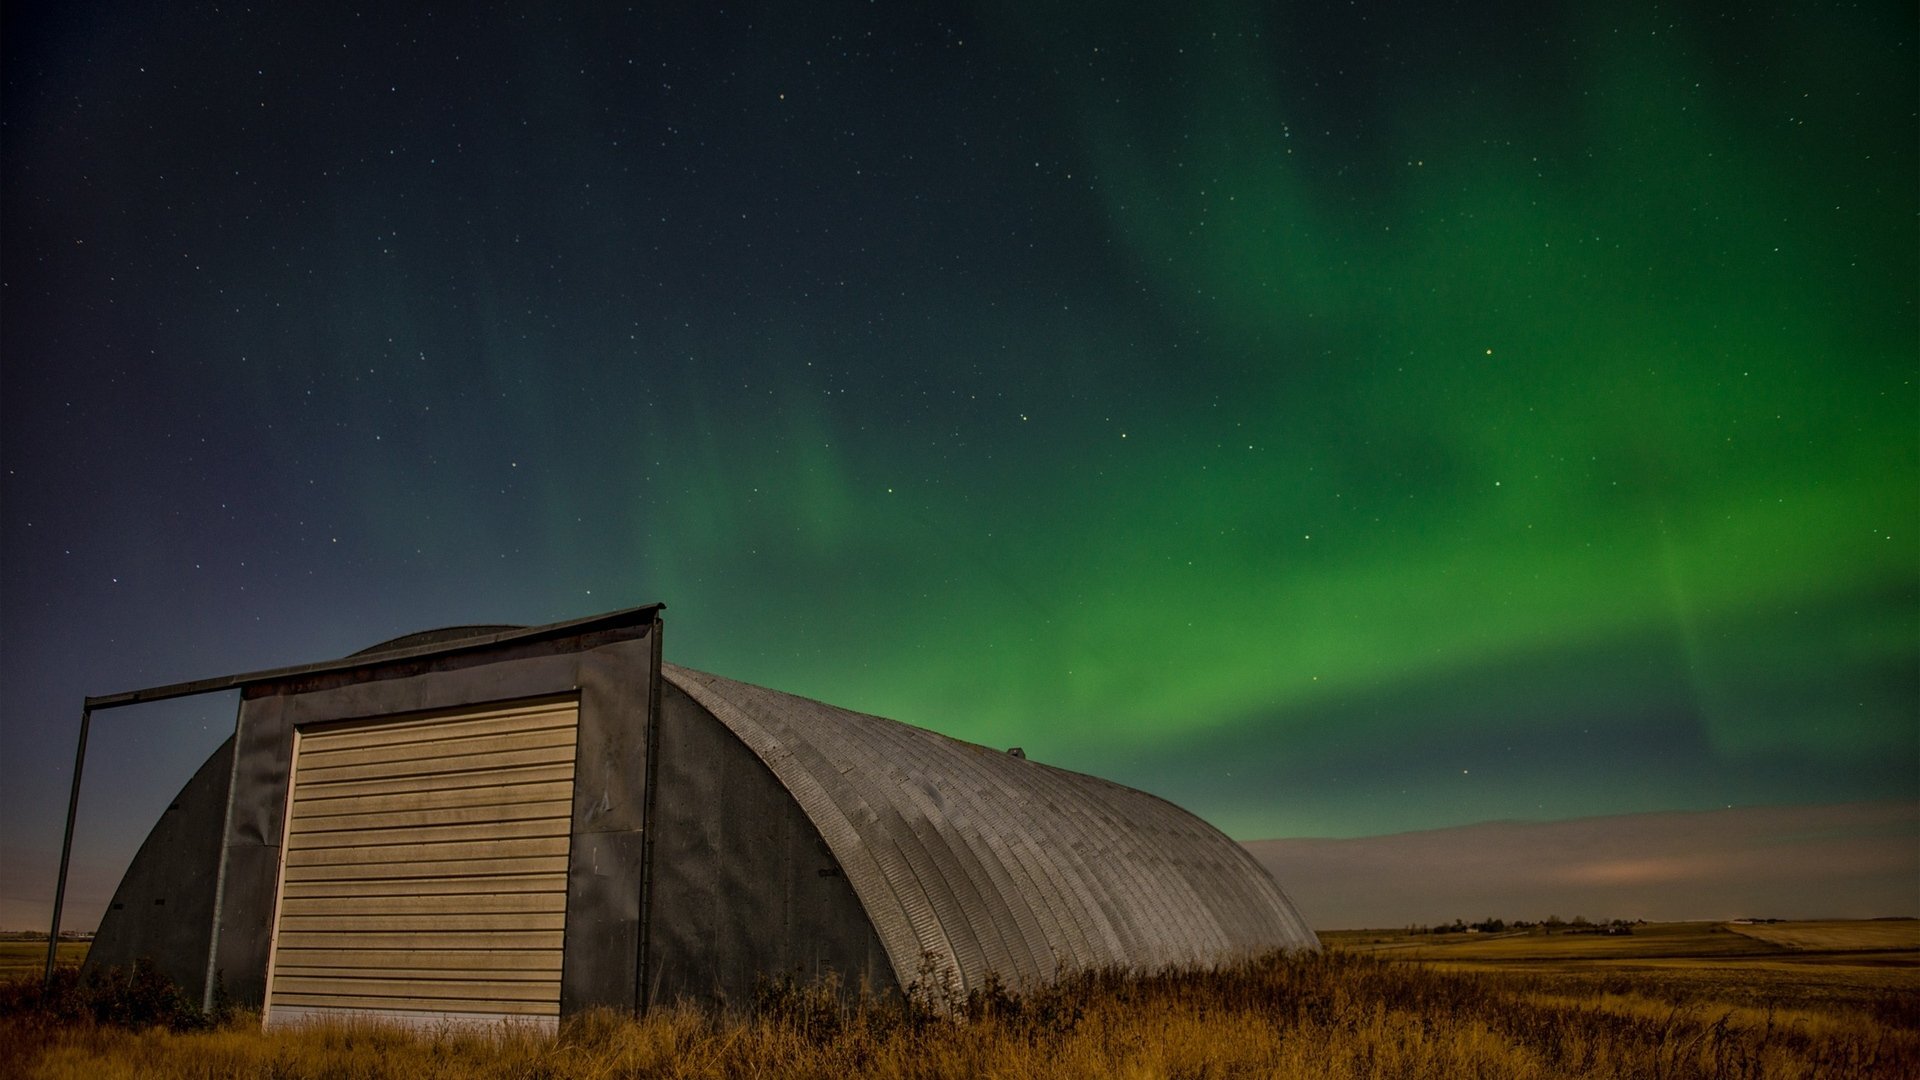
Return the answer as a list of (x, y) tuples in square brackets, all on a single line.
[(1340, 420)]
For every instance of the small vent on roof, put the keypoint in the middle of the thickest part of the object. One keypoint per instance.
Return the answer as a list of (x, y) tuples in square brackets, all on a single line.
[(1014, 751)]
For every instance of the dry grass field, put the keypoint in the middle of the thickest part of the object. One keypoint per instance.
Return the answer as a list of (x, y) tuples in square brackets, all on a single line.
[(25, 957), (1681, 1001), (1882, 935)]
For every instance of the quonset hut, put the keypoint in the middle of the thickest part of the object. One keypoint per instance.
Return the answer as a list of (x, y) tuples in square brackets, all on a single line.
[(518, 823)]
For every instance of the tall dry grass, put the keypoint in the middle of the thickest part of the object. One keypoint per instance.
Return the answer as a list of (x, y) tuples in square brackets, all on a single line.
[(1327, 1016)]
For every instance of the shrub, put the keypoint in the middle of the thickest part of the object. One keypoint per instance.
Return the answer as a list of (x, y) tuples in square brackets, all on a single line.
[(129, 997)]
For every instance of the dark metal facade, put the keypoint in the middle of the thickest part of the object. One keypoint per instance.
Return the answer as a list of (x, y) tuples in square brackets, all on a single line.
[(612, 672), (218, 937)]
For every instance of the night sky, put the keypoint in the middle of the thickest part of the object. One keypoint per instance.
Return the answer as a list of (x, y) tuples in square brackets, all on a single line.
[(1340, 419)]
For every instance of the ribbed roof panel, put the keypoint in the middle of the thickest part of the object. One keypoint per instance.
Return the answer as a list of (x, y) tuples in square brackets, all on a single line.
[(971, 860)]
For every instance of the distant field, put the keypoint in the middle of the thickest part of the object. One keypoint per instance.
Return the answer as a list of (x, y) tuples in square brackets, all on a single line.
[(1848, 936), (1690, 941), (19, 958), (1775, 965), (1647, 940)]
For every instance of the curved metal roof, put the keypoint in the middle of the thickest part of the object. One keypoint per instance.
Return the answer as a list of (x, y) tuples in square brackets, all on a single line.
[(436, 637), (972, 860)]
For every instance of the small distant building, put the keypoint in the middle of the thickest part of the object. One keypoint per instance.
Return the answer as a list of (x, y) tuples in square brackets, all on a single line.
[(491, 823)]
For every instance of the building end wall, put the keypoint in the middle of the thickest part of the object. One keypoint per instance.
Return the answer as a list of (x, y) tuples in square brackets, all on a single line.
[(744, 888), (163, 910)]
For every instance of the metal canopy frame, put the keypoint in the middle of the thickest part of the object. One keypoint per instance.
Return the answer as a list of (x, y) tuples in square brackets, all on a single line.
[(358, 662)]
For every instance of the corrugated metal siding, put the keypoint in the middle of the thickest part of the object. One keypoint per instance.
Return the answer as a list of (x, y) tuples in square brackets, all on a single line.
[(971, 860), (425, 867)]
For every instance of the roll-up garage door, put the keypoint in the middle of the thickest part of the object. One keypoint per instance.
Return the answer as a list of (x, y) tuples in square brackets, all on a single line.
[(425, 868)]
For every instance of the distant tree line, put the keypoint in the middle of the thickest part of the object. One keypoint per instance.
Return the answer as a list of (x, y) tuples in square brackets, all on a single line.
[(1552, 924)]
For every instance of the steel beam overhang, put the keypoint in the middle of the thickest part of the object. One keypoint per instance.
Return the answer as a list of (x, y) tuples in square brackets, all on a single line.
[(611, 620)]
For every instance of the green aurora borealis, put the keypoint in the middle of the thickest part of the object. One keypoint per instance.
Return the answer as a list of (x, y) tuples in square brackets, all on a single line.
[(1629, 372), (1340, 422)]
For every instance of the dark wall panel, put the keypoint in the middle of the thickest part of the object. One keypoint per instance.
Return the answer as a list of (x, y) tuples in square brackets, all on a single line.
[(602, 964), (163, 909), (612, 673), (743, 885)]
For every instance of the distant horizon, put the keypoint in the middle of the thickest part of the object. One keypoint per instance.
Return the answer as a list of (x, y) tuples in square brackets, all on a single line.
[(1849, 861)]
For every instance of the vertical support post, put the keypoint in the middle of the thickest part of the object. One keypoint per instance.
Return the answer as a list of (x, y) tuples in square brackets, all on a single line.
[(66, 844), (641, 991)]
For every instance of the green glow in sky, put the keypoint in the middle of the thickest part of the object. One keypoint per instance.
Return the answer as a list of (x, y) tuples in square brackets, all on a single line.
[(1341, 419), (1508, 374)]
